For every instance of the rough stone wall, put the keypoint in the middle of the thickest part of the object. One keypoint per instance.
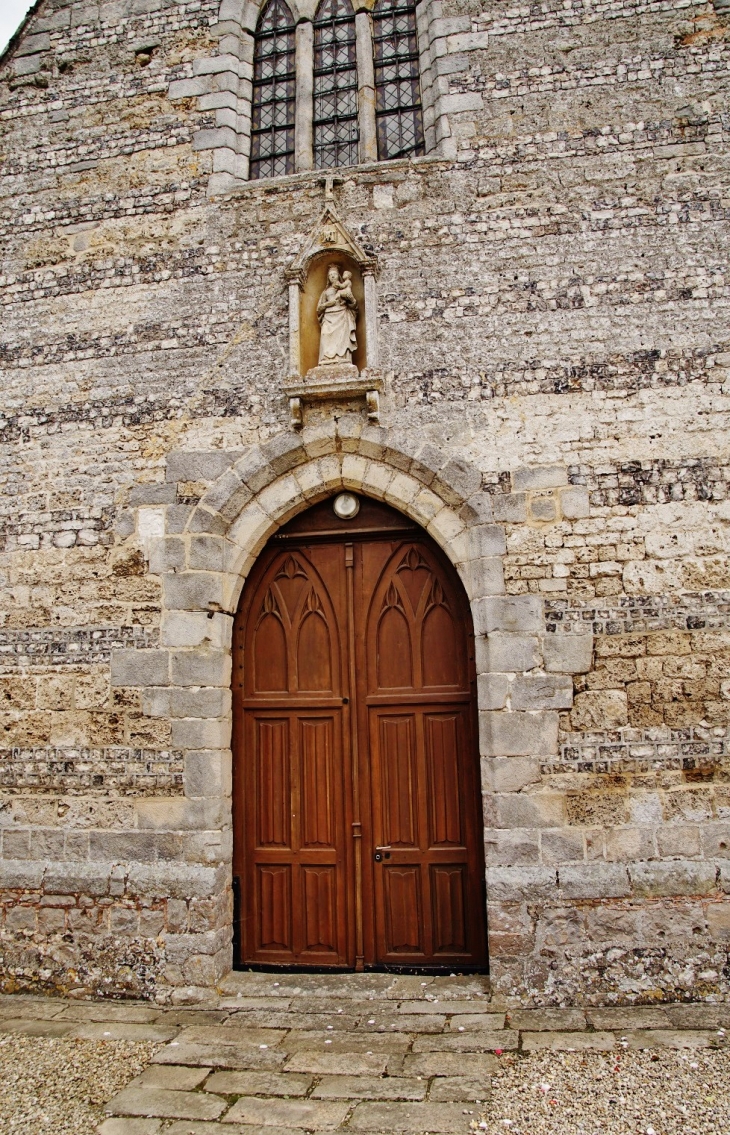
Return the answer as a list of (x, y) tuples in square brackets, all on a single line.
[(556, 346)]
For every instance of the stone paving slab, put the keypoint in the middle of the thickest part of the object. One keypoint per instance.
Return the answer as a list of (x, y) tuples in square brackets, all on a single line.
[(299, 1041), (411, 1118), (172, 1077), (620, 1018), (165, 1104), (479, 1040), (370, 1088), (321, 1115), (116, 1030), (448, 1089), (220, 1056), (130, 1127), (546, 1020), (283, 1054), (337, 1063), (258, 1084), (567, 1042), (669, 1038)]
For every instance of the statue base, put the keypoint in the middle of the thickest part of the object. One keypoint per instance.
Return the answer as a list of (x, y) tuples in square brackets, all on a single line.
[(332, 372), (330, 383)]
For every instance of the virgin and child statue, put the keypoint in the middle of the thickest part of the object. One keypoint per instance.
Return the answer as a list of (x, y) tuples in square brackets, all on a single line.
[(337, 315)]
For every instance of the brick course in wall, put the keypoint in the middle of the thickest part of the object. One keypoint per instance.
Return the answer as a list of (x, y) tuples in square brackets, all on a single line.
[(555, 343)]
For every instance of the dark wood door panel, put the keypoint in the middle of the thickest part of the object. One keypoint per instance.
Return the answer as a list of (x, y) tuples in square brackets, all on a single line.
[(354, 729)]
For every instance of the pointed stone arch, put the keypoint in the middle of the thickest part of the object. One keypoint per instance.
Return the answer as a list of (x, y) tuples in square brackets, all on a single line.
[(202, 569)]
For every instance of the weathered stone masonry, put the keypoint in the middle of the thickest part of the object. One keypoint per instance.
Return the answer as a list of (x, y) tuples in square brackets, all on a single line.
[(553, 313)]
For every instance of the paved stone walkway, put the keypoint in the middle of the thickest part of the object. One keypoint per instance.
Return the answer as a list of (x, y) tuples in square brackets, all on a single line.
[(281, 1054)]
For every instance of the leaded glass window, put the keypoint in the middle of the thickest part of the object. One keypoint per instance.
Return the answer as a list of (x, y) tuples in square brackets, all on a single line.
[(274, 93), (397, 90), (336, 131)]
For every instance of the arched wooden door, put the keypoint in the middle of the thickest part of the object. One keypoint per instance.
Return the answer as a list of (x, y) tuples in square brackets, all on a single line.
[(357, 806)]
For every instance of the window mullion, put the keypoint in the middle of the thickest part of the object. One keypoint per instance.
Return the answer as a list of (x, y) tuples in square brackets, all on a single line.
[(304, 123), (366, 87)]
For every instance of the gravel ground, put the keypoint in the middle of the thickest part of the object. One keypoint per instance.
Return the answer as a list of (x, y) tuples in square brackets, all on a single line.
[(61, 1085), (634, 1093)]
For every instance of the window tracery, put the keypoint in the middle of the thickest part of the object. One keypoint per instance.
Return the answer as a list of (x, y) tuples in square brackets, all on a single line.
[(399, 117), (336, 133), (274, 93)]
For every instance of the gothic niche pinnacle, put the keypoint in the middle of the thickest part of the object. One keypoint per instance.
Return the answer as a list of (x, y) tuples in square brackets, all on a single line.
[(333, 331)]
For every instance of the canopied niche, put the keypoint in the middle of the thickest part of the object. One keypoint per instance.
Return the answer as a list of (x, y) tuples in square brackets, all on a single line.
[(332, 292)]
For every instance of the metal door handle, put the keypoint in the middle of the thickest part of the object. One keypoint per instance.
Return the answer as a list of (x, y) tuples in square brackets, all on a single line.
[(381, 853)]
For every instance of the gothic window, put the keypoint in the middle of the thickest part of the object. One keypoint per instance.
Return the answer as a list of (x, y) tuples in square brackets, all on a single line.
[(274, 93), (336, 131), (397, 93)]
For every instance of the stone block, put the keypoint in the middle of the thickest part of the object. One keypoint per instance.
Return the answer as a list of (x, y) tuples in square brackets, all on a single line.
[(530, 809), (487, 540), (77, 878), (507, 653), (511, 613), (510, 848), (221, 136), (510, 508), (677, 877), (166, 553), (493, 690), (151, 493), (594, 881), (194, 591), (561, 846), (539, 477), (541, 691), (567, 653), (205, 520), (599, 709), (484, 577), (140, 668), (575, 503), (283, 453), (458, 480), (510, 774), (517, 884), (201, 733), (196, 628), (209, 553), (202, 667), (517, 734)]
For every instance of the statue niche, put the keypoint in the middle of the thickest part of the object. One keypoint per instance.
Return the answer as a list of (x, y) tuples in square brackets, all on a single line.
[(332, 331), (333, 328)]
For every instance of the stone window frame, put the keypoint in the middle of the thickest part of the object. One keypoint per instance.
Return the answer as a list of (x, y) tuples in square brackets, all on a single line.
[(223, 86)]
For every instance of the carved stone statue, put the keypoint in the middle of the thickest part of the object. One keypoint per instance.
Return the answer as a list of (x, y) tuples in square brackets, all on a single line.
[(337, 313)]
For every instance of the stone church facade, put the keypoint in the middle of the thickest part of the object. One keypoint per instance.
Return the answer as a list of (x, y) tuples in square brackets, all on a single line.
[(536, 241)]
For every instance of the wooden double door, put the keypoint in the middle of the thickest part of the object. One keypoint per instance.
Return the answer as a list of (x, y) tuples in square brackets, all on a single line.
[(357, 806)]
